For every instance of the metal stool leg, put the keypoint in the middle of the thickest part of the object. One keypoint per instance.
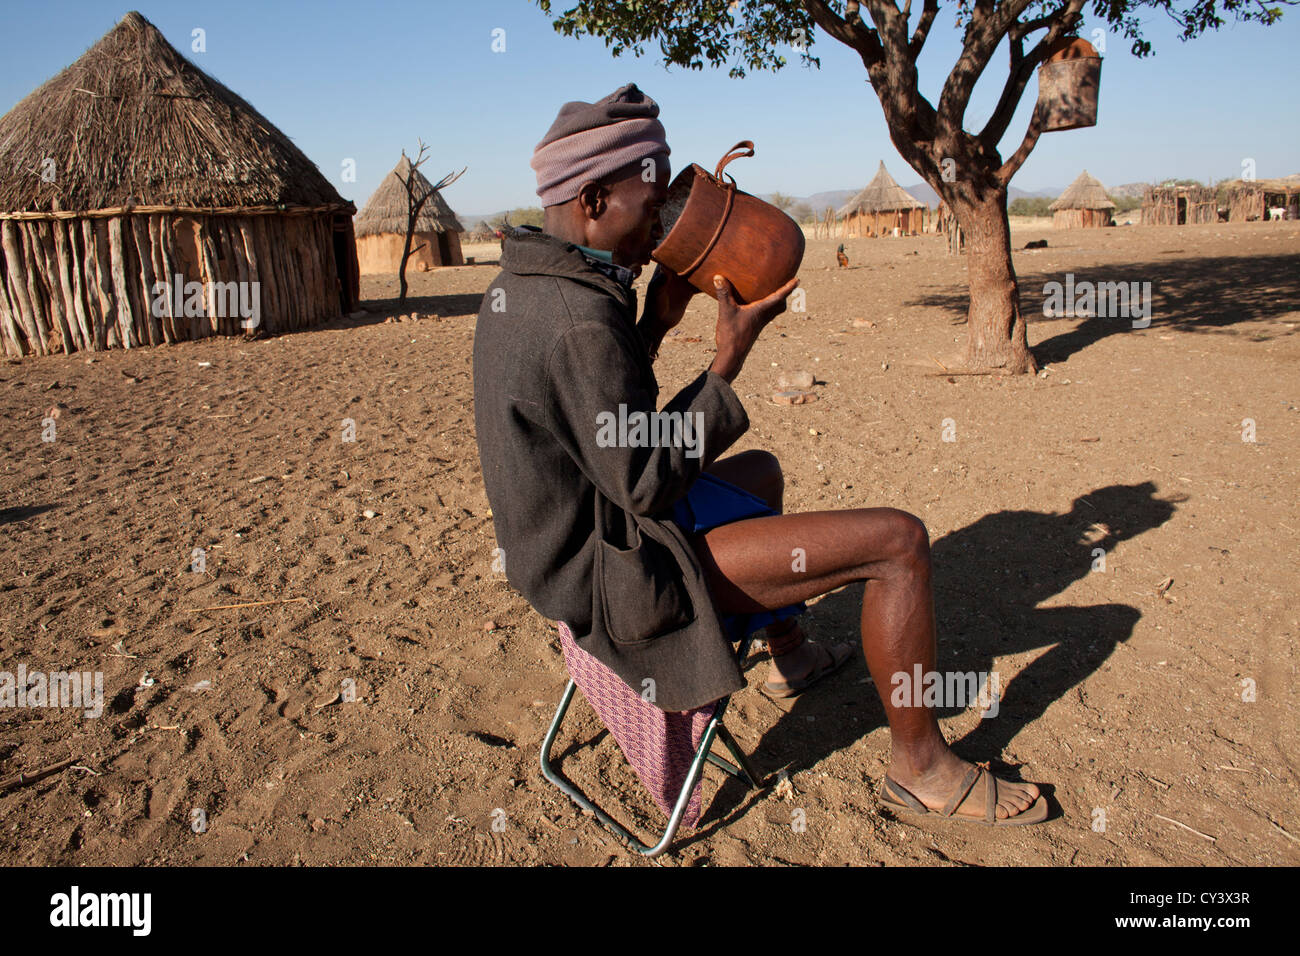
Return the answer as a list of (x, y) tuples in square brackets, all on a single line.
[(714, 729)]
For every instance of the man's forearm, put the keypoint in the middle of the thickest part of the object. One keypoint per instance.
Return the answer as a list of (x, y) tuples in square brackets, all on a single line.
[(654, 325), (727, 365), (652, 333)]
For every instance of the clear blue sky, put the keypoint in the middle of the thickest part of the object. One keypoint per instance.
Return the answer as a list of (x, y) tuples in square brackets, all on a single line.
[(362, 80)]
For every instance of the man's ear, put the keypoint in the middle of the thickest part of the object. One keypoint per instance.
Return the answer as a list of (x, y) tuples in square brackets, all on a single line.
[(593, 199)]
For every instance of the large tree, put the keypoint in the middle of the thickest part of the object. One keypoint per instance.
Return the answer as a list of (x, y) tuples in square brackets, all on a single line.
[(965, 168)]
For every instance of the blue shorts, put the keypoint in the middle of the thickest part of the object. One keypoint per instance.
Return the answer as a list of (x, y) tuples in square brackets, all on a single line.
[(712, 502)]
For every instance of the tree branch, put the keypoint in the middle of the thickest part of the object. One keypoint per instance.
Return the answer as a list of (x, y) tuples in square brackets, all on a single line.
[(891, 27), (928, 13), (1021, 30), (1017, 159), (983, 35), (907, 112), (855, 35)]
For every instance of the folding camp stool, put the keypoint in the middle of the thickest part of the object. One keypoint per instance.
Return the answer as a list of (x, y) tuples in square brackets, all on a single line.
[(666, 750)]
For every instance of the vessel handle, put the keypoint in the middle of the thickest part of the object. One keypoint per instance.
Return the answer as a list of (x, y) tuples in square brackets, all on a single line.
[(743, 148)]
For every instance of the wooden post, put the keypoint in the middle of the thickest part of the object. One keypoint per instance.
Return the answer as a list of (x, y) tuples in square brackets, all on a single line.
[(272, 310), (224, 322), (25, 312), (98, 230), (56, 252), (49, 274), (244, 236), (8, 324), (32, 251), (158, 232), (121, 289), (291, 268), (80, 304), (144, 254), (334, 281), (316, 269), (279, 240), (207, 324)]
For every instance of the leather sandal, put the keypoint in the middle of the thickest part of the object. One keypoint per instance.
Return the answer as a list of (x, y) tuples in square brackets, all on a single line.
[(897, 797), (836, 656)]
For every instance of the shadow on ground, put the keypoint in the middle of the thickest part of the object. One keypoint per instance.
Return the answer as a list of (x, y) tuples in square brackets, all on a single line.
[(377, 310), (1188, 295), (989, 580), (22, 512)]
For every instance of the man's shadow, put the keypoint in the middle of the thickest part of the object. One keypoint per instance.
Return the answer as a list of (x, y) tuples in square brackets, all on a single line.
[(989, 579)]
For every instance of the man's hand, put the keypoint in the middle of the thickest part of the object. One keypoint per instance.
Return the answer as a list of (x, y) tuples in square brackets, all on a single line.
[(739, 325)]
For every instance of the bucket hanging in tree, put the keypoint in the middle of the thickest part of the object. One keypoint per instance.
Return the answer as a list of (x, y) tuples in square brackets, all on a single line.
[(1068, 83)]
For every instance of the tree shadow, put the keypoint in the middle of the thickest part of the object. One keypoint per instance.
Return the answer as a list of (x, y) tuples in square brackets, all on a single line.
[(23, 512), (989, 580), (378, 310), (1206, 294)]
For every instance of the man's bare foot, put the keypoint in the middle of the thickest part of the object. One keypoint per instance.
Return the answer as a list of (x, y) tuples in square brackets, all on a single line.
[(935, 787)]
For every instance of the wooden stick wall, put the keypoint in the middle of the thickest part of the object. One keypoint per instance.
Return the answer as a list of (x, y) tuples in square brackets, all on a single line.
[(88, 284)]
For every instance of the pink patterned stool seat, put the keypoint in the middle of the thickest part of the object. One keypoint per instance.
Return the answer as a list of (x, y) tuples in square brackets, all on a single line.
[(660, 745)]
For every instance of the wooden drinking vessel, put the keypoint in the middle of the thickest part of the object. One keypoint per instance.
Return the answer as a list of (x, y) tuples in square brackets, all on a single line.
[(714, 228)]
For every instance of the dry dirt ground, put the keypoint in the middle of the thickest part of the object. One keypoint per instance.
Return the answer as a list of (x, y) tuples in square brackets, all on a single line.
[(1121, 690)]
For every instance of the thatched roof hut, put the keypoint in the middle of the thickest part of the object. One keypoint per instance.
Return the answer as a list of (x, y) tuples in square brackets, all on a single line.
[(482, 233), (1083, 205), (139, 197), (883, 208), (1253, 200), (381, 226)]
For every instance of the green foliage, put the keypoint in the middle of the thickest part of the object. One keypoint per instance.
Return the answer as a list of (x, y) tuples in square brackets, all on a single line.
[(781, 201), (750, 34), (524, 216), (1125, 204), (745, 33), (802, 212), (1030, 206)]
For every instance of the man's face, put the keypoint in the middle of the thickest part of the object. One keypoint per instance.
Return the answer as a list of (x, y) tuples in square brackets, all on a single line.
[(630, 226)]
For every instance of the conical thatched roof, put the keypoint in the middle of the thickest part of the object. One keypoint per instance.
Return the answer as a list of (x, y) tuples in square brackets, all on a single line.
[(1086, 192), (482, 231), (881, 195), (386, 211), (133, 119)]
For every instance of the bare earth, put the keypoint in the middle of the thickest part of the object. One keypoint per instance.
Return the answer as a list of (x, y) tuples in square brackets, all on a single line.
[(1122, 691)]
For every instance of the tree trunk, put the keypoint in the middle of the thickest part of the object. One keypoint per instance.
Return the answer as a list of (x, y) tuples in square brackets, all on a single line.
[(401, 269), (995, 326)]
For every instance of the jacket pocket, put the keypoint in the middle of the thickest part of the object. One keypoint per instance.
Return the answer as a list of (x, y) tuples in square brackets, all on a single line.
[(642, 591)]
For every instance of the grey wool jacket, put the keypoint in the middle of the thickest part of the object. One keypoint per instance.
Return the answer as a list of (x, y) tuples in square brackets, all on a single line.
[(583, 513)]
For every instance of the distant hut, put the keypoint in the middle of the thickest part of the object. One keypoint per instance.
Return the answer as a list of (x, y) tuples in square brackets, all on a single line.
[(481, 233), (1083, 205), (1254, 200), (381, 227), (883, 207), (140, 200), (1179, 205)]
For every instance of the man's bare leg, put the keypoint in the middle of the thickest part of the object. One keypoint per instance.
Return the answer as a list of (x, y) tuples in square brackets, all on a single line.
[(748, 568), (793, 658)]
